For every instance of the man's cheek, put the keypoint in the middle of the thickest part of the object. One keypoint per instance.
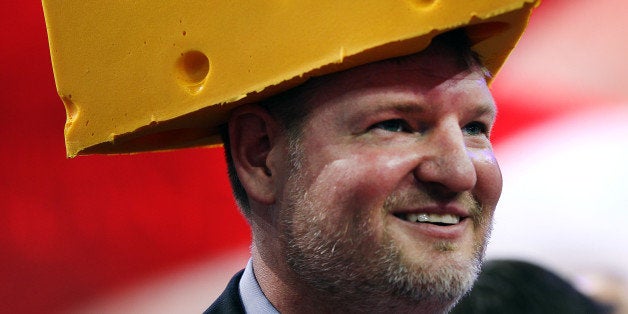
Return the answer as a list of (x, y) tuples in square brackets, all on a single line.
[(361, 181), (489, 184)]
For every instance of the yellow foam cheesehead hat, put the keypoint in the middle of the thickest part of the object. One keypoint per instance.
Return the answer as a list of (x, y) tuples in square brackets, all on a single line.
[(156, 75)]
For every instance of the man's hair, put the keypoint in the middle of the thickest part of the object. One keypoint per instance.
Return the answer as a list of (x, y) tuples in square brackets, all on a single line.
[(291, 109)]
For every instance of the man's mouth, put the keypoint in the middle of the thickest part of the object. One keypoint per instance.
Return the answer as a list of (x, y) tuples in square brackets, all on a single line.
[(436, 219)]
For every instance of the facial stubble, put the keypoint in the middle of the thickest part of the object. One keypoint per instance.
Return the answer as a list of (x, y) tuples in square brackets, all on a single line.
[(348, 263)]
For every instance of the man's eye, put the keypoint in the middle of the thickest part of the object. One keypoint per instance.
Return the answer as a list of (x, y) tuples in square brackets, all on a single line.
[(475, 128), (396, 125)]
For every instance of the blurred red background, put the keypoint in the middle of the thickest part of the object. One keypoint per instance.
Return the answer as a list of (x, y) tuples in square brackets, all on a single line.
[(71, 229), (74, 229)]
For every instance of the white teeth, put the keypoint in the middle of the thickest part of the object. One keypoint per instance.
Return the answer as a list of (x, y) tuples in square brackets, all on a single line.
[(433, 218)]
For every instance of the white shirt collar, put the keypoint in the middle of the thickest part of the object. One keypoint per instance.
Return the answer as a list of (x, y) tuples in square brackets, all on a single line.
[(253, 298)]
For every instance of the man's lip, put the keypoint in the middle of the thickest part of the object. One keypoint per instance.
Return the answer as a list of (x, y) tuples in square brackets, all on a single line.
[(435, 209), (434, 231)]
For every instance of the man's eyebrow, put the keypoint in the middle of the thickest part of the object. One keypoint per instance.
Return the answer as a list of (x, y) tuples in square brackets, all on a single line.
[(406, 107), (400, 106), (483, 109), (479, 109), (379, 107)]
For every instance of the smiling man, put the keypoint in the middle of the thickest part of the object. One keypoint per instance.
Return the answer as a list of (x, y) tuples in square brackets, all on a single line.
[(371, 189), (357, 134)]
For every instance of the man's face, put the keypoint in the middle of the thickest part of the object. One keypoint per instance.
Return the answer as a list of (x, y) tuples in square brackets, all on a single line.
[(393, 183)]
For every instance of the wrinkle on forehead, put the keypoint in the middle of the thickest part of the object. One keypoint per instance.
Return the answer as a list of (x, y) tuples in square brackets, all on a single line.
[(430, 62), (438, 61), (430, 72)]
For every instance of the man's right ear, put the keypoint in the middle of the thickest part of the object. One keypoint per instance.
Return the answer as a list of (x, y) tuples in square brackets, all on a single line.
[(252, 133)]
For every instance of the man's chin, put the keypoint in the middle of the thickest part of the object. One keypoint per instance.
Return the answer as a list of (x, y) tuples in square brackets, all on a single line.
[(443, 274)]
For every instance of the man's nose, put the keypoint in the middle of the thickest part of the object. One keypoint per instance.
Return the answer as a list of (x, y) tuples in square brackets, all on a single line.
[(447, 160)]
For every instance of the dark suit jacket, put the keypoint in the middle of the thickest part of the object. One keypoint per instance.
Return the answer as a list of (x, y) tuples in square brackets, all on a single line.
[(229, 301)]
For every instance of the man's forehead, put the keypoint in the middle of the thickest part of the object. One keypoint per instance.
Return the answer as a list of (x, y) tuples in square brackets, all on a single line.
[(444, 61), (403, 91), (434, 65)]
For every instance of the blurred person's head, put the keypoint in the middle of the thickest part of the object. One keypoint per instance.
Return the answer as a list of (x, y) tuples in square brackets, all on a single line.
[(508, 286)]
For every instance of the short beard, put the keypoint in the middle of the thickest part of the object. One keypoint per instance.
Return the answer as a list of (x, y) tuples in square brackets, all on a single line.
[(350, 272)]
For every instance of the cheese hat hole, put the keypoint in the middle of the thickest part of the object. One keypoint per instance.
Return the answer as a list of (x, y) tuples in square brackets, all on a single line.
[(193, 68)]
